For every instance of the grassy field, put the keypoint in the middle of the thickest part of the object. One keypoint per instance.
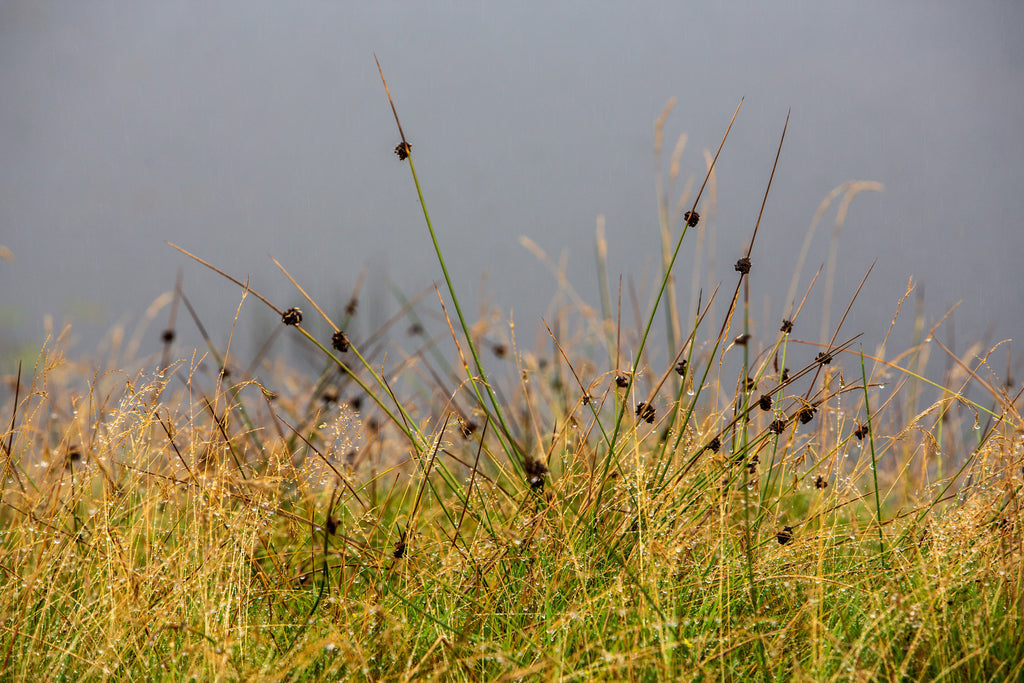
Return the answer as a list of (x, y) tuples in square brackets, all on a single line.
[(754, 506)]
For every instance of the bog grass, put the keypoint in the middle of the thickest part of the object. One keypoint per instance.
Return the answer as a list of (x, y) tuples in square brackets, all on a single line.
[(462, 506)]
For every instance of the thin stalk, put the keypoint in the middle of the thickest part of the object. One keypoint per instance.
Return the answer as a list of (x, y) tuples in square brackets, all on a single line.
[(504, 437), (874, 461)]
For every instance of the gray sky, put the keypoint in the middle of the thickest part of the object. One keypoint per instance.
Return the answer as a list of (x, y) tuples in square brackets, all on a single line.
[(241, 129)]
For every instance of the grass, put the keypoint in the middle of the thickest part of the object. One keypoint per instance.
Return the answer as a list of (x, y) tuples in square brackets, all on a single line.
[(579, 511)]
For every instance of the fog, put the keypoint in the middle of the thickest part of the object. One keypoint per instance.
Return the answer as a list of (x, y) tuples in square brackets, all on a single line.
[(239, 130)]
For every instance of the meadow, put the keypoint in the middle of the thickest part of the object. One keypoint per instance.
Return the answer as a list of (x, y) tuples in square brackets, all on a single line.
[(446, 501)]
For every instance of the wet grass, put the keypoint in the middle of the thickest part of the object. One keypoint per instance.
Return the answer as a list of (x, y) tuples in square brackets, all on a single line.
[(459, 504)]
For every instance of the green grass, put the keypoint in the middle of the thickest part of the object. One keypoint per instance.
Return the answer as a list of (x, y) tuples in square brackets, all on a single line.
[(475, 508)]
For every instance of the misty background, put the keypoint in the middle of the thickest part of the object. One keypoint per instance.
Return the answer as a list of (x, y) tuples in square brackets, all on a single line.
[(241, 129)]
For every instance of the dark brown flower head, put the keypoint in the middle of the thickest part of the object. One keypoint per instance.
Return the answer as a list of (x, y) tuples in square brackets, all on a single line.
[(622, 380), (806, 414), (535, 473), (467, 427), (373, 425), (293, 316), (681, 368), (414, 329), (356, 402), (331, 526), (167, 336), (586, 399), (692, 218), (750, 384), (765, 402), (351, 306), (400, 548), (743, 265), (339, 342), (787, 325), (714, 445), (499, 350), (741, 340), (777, 426), (824, 358), (861, 432), (73, 455), (330, 395), (403, 150), (784, 536), (785, 375), (645, 412), (820, 482), (752, 467)]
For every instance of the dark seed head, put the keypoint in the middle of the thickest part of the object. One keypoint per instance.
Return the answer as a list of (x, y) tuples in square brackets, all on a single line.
[(293, 316), (74, 454), (351, 306), (824, 358), (806, 414), (645, 412), (820, 482), (414, 329), (535, 473), (785, 375), (499, 350), (330, 395), (402, 150), (467, 427), (861, 432), (681, 368), (751, 384), (586, 399), (777, 426), (167, 336), (691, 218), (741, 340), (622, 380), (784, 536), (765, 402), (339, 342), (714, 445), (330, 526), (787, 325), (356, 402), (743, 265)]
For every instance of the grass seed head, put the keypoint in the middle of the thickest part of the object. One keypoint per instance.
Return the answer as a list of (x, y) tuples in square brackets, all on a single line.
[(339, 342)]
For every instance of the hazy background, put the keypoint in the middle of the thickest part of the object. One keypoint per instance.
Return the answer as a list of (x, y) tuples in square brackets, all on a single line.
[(242, 129)]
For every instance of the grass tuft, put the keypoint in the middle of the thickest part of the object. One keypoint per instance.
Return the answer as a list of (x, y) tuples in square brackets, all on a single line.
[(742, 503)]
